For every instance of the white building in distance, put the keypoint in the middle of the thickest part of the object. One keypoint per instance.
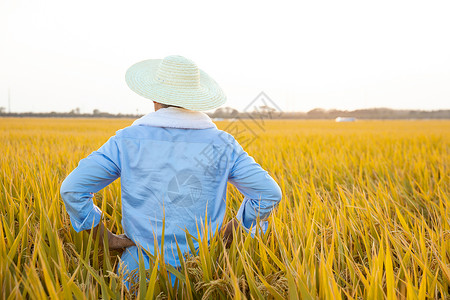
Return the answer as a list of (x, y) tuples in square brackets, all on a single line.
[(345, 119)]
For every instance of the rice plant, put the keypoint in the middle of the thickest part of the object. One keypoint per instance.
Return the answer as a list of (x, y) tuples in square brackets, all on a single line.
[(365, 215)]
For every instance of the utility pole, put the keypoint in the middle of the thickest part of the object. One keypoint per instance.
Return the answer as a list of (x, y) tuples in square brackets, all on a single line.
[(9, 100)]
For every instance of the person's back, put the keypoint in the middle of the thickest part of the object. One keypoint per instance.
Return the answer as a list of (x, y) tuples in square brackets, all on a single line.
[(174, 166)]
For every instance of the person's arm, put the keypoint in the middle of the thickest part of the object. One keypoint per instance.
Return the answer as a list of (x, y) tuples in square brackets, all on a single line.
[(261, 192), (93, 173)]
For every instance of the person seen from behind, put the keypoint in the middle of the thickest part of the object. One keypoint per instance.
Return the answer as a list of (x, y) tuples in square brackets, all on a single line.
[(174, 164)]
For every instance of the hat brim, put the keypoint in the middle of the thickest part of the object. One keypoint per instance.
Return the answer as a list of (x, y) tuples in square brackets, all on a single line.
[(140, 78)]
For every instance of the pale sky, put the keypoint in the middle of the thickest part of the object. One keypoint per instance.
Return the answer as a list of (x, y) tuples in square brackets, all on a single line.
[(57, 55)]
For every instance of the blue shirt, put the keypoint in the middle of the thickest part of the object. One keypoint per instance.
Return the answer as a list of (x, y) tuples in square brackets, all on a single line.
[(179, 174)]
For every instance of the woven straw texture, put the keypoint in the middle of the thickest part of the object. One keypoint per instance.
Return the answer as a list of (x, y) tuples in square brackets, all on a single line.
[(175, 80)]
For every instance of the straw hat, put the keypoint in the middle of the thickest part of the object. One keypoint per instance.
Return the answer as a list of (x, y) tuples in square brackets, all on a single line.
[(175, 80)]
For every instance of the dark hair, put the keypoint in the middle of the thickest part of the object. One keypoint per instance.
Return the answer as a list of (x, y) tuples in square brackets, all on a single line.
[(166, 106)]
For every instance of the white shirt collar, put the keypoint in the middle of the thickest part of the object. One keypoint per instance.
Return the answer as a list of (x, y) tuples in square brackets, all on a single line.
[(175, 117)]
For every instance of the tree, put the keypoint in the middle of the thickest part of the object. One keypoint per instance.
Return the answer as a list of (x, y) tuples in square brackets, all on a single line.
[(75, 111), (225, 112), (316, 111), (266, 110)]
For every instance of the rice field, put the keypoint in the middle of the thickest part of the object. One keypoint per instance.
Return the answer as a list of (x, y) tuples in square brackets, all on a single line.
[(365, 215)]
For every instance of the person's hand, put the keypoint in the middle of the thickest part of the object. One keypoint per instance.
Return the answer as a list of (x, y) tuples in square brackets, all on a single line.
[(119, 241), (227, 232), (115, 241)]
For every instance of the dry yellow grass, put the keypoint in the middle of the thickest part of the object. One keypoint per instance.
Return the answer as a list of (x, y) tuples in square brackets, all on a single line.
[(365, 215)]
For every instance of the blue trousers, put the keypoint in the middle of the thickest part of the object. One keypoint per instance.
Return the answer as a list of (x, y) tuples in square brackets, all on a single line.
[(129, 262)]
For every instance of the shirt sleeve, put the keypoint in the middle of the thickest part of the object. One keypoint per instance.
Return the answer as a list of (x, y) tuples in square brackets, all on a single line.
[(261, 192), (93, 173)]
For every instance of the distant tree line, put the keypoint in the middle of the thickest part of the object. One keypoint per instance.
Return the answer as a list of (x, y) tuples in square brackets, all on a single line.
[(74, 113), (319, 113), (261, 112)]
